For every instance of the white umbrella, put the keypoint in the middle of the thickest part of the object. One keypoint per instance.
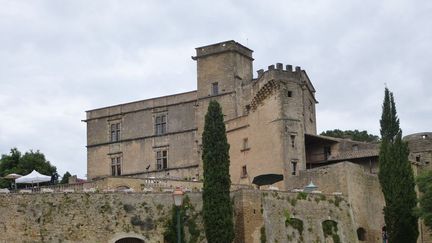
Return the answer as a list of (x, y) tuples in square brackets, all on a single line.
[(33, 177), (12, 176)]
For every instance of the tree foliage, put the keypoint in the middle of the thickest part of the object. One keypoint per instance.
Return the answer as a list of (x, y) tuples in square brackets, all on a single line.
[(16, 162), (65, 178), (217, 208), (396, 177), (424, 183), (355, 135)]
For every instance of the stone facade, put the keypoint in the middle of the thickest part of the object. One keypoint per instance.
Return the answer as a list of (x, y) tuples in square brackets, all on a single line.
[(266, 116), (108, 217), (270, 121)]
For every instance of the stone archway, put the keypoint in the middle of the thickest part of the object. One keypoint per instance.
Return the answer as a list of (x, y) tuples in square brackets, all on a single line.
[(129, 240)]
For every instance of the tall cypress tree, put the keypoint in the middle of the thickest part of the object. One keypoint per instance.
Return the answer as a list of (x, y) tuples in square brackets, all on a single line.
[(217, 208), (396, 177)]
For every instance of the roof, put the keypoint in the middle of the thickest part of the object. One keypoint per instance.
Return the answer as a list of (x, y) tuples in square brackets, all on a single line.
[(364, 153), (312, 138)]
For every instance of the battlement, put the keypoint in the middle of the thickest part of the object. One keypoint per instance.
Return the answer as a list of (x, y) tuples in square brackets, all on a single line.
[(279, 68), (226, 46)]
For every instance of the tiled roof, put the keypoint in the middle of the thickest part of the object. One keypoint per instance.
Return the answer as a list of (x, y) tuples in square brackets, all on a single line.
[(364, 153)]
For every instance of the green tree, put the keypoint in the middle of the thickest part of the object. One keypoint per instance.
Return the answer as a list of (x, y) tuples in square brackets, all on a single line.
[(170, 234), (396, 177), (15, 162), (217, 208), (424, 183), (65, 178), (355, 135)]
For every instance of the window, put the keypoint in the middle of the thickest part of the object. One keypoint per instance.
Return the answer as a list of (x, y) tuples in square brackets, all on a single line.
[(115, 132), (327, 152), (161, 160), (289, 93), (245, 143), (215, 89), (116, 166), (418, 158), (160, 124), (244, 172), (293, 167), (293, 141), (361, 234)]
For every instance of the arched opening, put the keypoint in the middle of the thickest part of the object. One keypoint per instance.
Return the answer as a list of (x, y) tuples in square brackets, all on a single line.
[(129, 240), (330, 230), (361, 234), (122, 188)]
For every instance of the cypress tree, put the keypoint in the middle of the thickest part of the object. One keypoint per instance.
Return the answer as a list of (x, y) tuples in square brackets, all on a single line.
[(217, 208), (396, 177)]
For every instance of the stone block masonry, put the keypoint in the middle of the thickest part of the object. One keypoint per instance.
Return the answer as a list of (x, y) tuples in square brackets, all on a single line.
[(260, 216)]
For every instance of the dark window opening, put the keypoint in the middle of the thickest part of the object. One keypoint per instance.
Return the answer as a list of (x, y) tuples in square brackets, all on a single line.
[(116, 166), (244, 171), (294, 167), (160, 124), (293, 141), (289, 93), (361, 234), (418, 158), (215, 88), (130, 240), (327, 152), (161, 160)]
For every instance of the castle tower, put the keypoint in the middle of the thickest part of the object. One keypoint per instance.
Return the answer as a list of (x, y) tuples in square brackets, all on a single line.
[(281, 115), (222, 69)]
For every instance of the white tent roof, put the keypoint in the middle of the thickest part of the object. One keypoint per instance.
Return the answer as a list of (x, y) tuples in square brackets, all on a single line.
[(33, 177)]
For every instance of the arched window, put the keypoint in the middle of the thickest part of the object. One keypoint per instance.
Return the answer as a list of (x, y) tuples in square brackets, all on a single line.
[(129, 240), (361, 234)]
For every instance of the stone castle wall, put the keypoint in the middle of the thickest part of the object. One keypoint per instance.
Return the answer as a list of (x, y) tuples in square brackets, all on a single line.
[(362, 190), (87, 217), (106, 217)]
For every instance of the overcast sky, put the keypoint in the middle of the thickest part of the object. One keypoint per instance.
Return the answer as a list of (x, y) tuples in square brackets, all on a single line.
[(61, 58)]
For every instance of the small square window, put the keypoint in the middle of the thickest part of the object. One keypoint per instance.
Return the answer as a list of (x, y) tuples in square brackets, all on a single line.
[(290, 93), (245, 143), (215, 88), (244, 171), (293, 167), (418, 158)]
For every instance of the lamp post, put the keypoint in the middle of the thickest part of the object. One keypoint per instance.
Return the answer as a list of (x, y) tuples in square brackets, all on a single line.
[(178, 201)]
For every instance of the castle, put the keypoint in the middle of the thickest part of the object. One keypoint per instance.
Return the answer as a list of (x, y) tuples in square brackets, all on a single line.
[(270, 121), (150, 146)]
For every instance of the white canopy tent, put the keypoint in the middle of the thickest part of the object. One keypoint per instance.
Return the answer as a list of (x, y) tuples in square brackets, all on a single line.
[(33, 177)]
